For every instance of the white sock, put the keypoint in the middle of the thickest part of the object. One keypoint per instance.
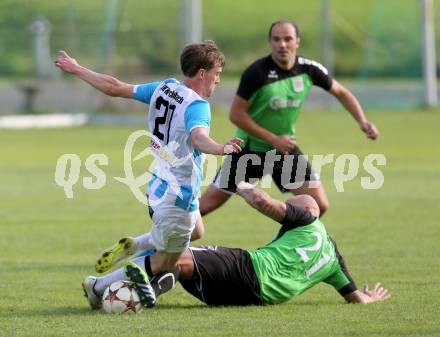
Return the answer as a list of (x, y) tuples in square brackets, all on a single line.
[(143, 242), (140, 261), (105, 281)]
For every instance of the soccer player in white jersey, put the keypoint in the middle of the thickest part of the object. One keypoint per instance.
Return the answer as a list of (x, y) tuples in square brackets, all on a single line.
[(179, 121)]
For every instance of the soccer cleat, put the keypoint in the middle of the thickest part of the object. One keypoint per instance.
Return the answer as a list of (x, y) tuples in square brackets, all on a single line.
[(142, 284), (88, 286), (114, 254)]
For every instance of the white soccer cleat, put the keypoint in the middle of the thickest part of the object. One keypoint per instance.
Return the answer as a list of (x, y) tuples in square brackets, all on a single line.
[(88, 285)]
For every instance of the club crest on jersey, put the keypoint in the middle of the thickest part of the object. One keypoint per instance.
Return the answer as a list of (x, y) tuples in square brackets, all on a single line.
[(298, 84), (272, 74)]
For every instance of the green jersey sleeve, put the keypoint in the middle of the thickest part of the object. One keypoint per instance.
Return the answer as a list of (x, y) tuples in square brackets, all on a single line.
[(338, 280)]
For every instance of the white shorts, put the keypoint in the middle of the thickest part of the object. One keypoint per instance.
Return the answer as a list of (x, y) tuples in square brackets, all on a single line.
[(172, 227)]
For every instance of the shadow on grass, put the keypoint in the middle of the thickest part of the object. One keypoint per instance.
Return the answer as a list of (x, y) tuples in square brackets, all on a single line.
[(55, 311), (168, 306), (45, 267), (86, 311), (202, 306)]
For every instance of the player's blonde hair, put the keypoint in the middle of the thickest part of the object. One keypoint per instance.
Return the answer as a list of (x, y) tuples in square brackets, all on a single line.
[(205, 55)]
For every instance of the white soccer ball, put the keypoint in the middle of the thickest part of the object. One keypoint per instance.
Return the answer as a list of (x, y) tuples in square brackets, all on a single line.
[(120, 298)]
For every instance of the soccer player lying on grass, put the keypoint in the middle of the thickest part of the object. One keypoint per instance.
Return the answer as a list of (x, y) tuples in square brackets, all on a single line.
[(301, 255)]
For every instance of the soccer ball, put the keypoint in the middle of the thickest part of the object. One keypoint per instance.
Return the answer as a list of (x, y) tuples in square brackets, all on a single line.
[(121, 297)]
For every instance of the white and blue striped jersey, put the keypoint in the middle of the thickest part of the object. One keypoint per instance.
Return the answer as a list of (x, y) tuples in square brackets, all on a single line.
[(174, 111)]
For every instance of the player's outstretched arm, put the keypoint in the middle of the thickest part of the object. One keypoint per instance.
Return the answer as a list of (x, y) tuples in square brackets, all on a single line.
[(378, 293), (262, 201), (109, 85), (202, 142), (349, 101)]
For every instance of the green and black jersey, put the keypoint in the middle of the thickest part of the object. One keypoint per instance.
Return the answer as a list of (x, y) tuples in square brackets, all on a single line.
[(301, 255), (275, 95)]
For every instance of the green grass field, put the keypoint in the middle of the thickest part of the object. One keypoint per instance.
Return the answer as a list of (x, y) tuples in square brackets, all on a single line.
[(49, 243)]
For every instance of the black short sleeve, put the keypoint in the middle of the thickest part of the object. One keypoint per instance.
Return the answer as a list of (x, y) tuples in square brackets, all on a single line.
[(317, 72), (296, 216), (265, 71), (351, 285), (321, 79), (250, 81)]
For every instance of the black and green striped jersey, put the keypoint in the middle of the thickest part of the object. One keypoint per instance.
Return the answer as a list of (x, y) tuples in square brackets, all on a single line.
[(275, 95), (301, 255)]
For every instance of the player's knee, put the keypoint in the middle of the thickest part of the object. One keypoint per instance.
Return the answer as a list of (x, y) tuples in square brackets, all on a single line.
[(323, 206), (163, 262), (197, 233), (204, 210), (207, 205), (211, 200)]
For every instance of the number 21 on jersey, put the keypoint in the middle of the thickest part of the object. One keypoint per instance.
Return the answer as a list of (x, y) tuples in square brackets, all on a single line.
[(303, 253), (162, 123)]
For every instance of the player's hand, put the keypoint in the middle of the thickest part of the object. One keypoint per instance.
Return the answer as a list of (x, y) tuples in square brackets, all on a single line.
[(284, 144), (242, 185), (370, 130), (236, 140), (66, 63), (245, 190), (378, 293), (233, 146)]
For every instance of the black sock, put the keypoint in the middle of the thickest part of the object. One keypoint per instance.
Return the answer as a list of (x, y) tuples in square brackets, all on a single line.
[(148, 267)]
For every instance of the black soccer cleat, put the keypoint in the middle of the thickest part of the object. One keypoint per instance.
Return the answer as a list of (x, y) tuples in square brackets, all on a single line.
[(141, 284)]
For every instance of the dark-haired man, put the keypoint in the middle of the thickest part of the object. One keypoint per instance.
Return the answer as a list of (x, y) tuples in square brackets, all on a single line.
[(179, 120), (265, 109)]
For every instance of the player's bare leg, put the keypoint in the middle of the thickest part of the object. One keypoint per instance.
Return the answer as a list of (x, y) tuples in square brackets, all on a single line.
[(163, 261), (212, 199), (315, 190), (186, 265), (199, 229), (162, 276)]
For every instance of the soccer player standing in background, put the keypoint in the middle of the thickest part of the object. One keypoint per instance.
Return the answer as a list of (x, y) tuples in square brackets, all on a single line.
[(179, 121), (265, 109)]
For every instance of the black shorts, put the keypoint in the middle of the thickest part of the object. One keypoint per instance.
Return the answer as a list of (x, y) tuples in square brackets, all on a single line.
[(287, 171), (223, 276)]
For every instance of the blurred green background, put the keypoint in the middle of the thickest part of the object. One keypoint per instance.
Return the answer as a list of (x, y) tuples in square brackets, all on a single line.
[(146, 36), (374, 46)]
